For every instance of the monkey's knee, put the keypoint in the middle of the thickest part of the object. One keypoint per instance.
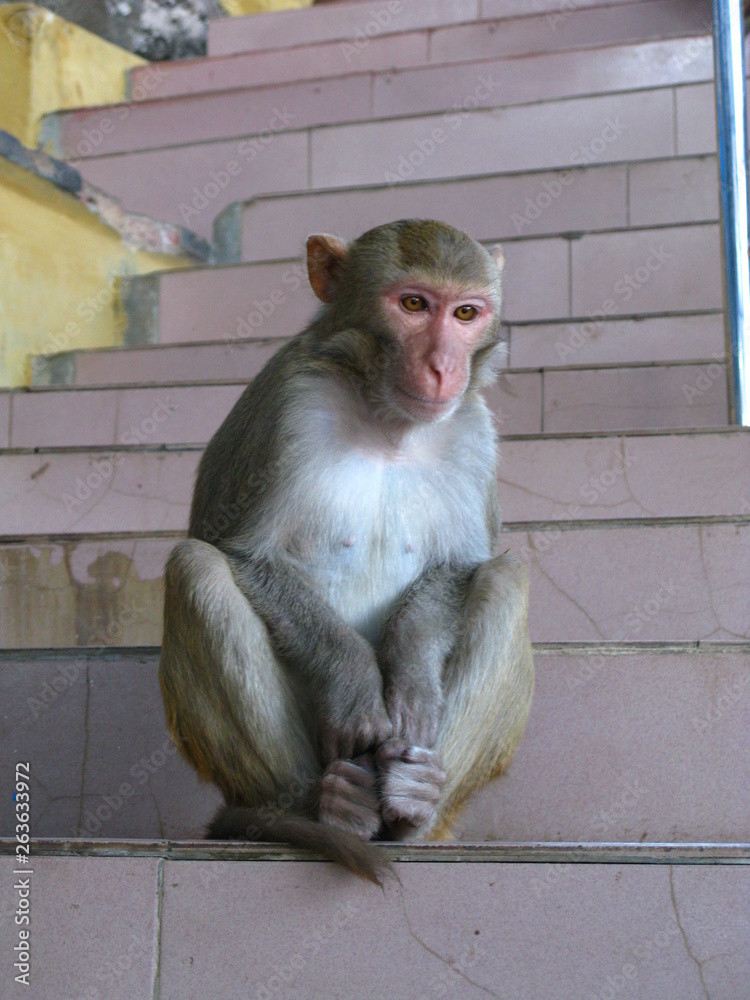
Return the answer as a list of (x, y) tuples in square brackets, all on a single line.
[(502, 580), (230, 705)]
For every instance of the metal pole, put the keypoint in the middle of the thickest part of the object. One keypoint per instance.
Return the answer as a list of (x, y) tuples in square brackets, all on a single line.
[(731, 121)]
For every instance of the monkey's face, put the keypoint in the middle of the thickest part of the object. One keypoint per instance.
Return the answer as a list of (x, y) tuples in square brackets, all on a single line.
[(438, 328), (425, 298)]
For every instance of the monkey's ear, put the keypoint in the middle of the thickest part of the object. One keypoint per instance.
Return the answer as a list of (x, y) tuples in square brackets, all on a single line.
[(325, 255), (498, 256)]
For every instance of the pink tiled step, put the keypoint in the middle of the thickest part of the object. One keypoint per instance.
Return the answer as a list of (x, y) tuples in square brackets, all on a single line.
[(468, 929), (191, 184), (484, 141), (159, 363), (524, 402), (245, 108), (208, 117), (400, 64), (544, 345), (584, 771), (541, 479), (653, 581), (461, 28), (530, 204)]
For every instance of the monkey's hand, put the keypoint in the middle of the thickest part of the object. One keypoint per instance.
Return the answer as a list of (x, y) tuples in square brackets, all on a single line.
[(414, 704), (351, 716), (411, 782)]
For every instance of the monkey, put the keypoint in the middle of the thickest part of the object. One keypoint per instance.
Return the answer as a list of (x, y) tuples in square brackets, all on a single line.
[(345, 650)]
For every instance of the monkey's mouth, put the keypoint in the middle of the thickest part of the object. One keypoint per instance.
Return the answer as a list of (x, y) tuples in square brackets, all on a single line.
[(436, 404)]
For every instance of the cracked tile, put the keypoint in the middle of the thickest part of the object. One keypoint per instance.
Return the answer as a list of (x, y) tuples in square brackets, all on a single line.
[(612, 399), (680, 475), (645, 583), (96, 491), (334, 936)]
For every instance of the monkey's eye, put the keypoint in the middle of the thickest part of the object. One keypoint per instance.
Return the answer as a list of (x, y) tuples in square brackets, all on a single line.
[(466, 313), (413, 303)]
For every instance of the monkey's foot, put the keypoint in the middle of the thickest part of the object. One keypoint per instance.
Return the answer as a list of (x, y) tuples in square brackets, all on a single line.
[(349, 797), (411, 781)]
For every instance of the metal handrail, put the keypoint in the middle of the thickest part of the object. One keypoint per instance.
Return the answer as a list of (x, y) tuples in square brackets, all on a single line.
[(731, 124)]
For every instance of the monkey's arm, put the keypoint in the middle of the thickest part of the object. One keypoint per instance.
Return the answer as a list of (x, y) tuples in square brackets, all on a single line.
[(337, 665), (417, 640)]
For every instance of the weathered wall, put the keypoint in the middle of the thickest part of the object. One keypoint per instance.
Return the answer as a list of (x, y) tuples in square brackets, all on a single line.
[(49, 64), (64, 247), (155, 29)]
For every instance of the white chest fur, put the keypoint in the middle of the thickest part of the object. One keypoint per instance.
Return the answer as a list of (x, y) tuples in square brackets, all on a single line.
[(364, 516)]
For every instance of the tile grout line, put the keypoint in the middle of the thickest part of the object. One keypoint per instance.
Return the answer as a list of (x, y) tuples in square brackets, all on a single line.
[(156, 994)]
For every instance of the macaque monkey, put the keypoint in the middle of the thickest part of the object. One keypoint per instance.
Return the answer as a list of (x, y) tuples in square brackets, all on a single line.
[(345, 653)]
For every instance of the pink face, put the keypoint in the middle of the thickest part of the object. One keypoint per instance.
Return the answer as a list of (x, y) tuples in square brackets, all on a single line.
[(439, 329)]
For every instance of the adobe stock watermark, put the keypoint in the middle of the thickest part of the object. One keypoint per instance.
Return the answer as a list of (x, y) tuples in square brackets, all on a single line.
[(220, 180), (87, 311), (68, 674), (262, 309), (635, 619), (426, 146), (706, 378), (285, 972), (550, 191), (624, 288), (104, 467), (590, 492), (141, 772), (646, 951), (375, 25), (693, 48), (566, 10), (602, 822), (724, 705)]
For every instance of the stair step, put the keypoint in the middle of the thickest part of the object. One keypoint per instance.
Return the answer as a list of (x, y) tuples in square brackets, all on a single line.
[(188, 363), (247, 108), (543, 345), (541, 478), (537, 136), (401, 71), (460, 30), (675, 581), (583, 772), (523, 402), (191, 184), (610, 198), (610, 919)]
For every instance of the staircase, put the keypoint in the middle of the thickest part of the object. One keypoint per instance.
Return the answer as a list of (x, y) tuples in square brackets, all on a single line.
[(609, 861)]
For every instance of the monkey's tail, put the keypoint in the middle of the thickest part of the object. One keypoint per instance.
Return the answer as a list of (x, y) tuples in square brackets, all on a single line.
[(347, 849)]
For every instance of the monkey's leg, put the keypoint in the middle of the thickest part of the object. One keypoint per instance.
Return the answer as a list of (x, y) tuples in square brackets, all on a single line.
[(487, 686), (236, 711)]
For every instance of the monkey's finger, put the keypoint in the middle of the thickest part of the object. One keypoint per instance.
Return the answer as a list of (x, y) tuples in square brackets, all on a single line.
[(348, 799), (422, 755), (392, 749), (353, 772)]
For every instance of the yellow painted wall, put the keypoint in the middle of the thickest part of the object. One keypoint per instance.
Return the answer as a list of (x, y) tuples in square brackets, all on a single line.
[(59, 274), (237, 8), (47, 64)]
